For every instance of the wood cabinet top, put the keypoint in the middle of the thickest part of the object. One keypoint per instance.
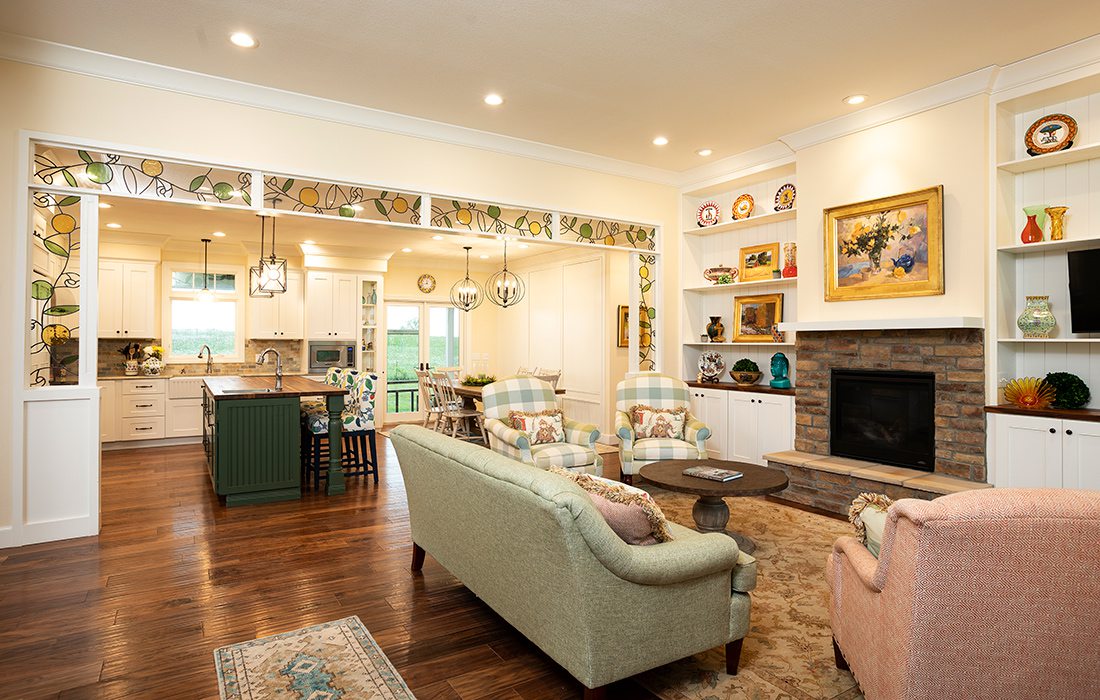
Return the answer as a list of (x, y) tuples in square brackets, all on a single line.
[(751, 388), (1086, 414), (254, 387)]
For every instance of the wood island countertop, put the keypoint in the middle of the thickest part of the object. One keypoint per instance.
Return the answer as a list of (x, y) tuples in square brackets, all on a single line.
[(236, 387)]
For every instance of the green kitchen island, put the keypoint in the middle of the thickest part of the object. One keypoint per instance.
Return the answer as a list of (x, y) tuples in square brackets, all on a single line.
[(252, 437)]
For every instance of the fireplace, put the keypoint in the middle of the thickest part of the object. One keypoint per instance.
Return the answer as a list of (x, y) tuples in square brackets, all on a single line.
[(884, 416)]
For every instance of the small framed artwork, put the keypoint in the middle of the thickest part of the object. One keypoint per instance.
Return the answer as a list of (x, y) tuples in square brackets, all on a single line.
[(755, 318), (759, 262), (885, 248), (624, 326)]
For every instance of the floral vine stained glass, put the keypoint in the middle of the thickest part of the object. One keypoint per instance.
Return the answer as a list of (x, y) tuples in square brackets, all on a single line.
[(647, 313), (137, 175), (53, 344), (344, 201), (606, 232), (490, 218)]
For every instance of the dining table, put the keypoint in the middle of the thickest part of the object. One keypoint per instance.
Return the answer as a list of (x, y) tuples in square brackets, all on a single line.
[(470, 394)]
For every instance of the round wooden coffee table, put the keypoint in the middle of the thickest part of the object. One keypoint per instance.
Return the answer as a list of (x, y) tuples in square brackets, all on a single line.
[(710, 511)]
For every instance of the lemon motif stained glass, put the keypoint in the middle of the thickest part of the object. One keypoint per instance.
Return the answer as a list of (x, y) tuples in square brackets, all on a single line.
[(491, 218), (607, 232), (341, 200), (53, 345)]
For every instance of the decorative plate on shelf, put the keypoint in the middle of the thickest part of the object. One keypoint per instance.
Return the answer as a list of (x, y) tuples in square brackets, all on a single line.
[(1054, 132), (708, 213), (426, 283), (711, 366), (784, 197), (742, 206)]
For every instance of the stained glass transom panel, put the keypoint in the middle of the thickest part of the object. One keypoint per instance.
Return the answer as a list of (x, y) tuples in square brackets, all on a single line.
[(647, 313), (344, 201), (491, 218), (53, 344), (607, 232)]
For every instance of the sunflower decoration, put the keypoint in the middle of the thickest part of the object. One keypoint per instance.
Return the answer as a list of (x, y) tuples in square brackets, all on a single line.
[(1029, 392)]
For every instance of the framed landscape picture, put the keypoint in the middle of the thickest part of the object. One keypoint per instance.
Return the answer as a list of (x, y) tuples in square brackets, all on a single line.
[(624, 326), (754, 317), (758, 262), (884, 248)]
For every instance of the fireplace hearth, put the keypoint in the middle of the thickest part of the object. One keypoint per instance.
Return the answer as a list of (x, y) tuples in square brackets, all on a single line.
[(884, 416)]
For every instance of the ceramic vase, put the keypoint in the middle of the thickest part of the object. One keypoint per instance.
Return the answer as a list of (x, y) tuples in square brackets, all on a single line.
[(1037, 321), (790, 260), (1057, 222), (152, 366), (715, 329), (131, 368)]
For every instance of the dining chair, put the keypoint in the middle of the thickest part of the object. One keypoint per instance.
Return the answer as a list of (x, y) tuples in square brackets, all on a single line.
[(479, 406), (454, 413), (551, 377), (429, 401), (525, 371)]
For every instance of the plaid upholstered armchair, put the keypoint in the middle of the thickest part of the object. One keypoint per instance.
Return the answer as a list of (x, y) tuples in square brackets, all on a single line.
[(641, 444), (532, 395)]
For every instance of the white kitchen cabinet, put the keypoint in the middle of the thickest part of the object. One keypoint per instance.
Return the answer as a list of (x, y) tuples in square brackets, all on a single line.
[(711, 407), (758, 424), (183, 418), (108, 411), (1042, 452), (283, 315), (332, 303), (127, 299)]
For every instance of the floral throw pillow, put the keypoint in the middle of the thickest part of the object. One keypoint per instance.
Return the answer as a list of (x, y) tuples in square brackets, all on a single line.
[(541, 427), (630, 512), (652, 422), (868, 514)]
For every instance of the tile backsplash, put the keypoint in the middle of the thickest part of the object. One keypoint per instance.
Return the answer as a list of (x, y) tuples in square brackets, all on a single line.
[(111, 362)]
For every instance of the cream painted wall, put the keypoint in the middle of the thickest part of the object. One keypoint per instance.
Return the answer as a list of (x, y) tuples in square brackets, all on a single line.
[(82, 107), (946, 146)]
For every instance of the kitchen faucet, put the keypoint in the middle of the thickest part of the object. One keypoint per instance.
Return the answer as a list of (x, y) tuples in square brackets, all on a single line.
[(209, 358), (262, 358)]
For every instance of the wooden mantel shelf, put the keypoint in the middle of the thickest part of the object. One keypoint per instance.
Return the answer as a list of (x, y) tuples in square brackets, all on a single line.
[(885, 324), (752, 388), (1091, 415)]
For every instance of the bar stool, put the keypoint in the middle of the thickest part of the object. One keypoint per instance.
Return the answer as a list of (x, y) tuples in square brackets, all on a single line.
[(358, 435)]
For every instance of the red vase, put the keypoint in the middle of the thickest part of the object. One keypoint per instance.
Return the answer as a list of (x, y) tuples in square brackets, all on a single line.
[(1031, 233)]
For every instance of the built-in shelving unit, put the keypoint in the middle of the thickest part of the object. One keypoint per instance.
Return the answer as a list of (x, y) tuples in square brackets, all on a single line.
[(1027, 164), (713, 246)]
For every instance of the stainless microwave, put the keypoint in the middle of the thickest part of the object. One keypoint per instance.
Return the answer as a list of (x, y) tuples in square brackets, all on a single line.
[(324, 354)]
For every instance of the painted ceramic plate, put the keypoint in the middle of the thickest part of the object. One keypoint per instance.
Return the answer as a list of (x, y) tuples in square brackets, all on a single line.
[(742, 206), (1054, 132), (708, 213), (711, 366), (426, 283), (784, 197)]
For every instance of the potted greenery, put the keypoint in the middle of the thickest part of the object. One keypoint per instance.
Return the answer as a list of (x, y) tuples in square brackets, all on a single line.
[(478, 379), (154, 360), (746, 372), (1070, 391)]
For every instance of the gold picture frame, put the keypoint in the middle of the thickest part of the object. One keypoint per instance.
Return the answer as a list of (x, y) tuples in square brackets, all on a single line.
[(754, 316), (885, 248), (624, 326), (758, 262)]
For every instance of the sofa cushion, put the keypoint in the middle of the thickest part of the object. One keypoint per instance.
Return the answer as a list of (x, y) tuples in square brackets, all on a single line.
[(623, 521), (652, 422), (562, 454), (868, 513), (653, 449), (541, 427)]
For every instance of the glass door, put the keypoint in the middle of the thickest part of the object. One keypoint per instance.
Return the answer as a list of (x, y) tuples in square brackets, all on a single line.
[(418, 336)]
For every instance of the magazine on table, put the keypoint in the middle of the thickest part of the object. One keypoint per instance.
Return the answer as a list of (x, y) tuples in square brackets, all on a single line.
[(712, 473)]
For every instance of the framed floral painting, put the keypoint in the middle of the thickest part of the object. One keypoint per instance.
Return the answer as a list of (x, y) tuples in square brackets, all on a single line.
[(885, 248), (754, 317)]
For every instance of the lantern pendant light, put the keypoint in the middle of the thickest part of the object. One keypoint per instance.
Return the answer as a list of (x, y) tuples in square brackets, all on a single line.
[(504, 288), (255, 273), (272, 269), (467, 294), (206, 294)]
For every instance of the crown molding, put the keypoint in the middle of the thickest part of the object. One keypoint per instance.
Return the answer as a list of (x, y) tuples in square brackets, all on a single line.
[(736, 166), (1081, 59), (73, 59)]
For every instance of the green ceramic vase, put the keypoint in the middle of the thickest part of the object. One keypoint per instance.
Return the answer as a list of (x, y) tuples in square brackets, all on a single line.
[(1037, 321)]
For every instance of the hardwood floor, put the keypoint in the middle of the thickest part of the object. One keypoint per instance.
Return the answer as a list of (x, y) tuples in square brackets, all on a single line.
[(138, 611)]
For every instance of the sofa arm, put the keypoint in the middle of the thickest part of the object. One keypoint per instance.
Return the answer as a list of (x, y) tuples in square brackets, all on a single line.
[(696, 431), (624, 429), (669, 562), (579, 433), (744, 574), (850, 553), (510, 436)]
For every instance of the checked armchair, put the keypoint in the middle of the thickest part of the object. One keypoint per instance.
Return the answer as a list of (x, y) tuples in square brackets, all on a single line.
[(662, 392)]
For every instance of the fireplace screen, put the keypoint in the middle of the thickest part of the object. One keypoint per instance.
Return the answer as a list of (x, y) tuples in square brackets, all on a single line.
[(886, 417)]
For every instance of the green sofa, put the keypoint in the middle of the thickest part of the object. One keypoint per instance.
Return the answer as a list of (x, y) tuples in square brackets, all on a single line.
[(534, 548)]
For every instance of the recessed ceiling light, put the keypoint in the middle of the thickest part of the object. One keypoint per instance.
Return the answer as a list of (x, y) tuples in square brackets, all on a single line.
[(483, 257), (704, 152), (218, 234), (406, 250), (855, 99), (113, 225), (308, 241), (660, 141), (243, 39), (437, 238), (494, 99), (104, 205)]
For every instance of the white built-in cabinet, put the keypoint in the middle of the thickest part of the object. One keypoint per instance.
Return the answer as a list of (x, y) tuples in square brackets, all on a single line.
[(128, 299), (283, 315), (108, 411), (744, 425), (1041, 452), (332, 305)]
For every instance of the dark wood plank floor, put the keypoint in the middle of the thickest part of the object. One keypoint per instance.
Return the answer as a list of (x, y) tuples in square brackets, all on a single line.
[(137, 611)]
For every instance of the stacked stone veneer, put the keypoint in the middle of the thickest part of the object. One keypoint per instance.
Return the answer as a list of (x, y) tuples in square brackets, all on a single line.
[(956, 356)]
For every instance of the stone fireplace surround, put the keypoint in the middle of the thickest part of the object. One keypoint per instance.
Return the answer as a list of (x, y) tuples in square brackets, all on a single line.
[(955, 355)]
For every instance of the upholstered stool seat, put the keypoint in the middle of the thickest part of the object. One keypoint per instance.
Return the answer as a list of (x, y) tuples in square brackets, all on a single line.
[(357, 425)]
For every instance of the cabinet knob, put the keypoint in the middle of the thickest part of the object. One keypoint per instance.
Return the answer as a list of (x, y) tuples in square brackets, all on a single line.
[(1052, 431), (1069, 432)]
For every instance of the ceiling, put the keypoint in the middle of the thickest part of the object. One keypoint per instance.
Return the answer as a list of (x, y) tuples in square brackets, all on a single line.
[(603, 78), (181, 226)]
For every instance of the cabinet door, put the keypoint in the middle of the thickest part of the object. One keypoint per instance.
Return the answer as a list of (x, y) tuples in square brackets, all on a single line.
[(743, 421), (1080, 447), (263, 316), (1028, 451), (775, 425), (345, 307), (110, 299), (292, 308), (183, 418), (711, 407), (139, 300), (319, 290), (108, 412)]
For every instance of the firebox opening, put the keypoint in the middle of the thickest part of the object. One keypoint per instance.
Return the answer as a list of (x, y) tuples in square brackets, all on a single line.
[(882, 416)]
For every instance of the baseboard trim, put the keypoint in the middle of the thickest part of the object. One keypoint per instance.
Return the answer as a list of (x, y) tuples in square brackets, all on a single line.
[(163, 442)]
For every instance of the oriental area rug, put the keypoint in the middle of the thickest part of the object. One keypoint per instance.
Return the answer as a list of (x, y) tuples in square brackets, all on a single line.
[(332, 660)]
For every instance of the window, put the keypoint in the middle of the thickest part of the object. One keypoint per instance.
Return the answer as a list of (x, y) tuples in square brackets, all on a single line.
[(195, 319)]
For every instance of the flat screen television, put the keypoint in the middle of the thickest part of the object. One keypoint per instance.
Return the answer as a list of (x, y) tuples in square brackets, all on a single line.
[(1084, 290)]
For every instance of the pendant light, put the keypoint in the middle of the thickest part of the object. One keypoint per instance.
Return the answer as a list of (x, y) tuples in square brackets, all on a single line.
[(206, 294), (273, 269), (255, 273), (467, 294), (504, 288)]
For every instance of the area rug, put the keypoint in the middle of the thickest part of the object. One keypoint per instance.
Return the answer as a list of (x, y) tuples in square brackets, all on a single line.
[(788, 652), (332, 660)]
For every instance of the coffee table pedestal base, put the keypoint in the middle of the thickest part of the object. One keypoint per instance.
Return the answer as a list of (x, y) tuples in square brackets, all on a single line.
[(711, 514)]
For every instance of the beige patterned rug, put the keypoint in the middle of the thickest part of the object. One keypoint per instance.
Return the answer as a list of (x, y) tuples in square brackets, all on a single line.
[(788, 652)]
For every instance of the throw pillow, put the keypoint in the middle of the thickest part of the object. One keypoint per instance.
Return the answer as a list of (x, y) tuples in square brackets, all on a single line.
[(652, 422), (630, 512), (541, 427), (868, 513)]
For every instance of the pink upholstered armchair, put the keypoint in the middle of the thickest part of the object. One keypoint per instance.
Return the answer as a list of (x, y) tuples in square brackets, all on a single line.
[(982, 594)]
